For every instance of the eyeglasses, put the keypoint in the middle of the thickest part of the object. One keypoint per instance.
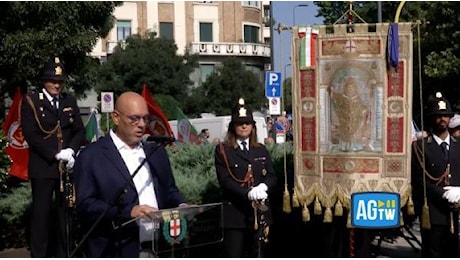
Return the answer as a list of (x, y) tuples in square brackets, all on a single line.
[(134, 119)]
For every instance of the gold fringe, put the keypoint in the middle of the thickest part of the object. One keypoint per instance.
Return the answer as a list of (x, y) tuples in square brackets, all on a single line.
[(317, 210), (426, 217), (328, 215), (338, 211), (410, 207), (305, 213), (401, 219), (286, 201), (295, 200)]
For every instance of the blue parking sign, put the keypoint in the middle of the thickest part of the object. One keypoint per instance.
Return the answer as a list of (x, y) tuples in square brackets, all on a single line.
[(272, 84)]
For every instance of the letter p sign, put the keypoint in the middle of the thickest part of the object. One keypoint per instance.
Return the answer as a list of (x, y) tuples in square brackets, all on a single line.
[(272, 84), (273, 78)]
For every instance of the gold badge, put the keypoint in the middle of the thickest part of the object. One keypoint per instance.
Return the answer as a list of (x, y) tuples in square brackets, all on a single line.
[(442, 105), (67, 109), (58, 71), (40, 96)]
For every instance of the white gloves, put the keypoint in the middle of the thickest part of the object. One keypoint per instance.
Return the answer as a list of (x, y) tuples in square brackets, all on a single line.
[(70, 163), (66, 155), (452, 194), (259, 192)]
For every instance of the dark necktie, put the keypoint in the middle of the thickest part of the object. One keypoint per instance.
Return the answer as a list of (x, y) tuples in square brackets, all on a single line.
[(445, 150), (245, 148), (55, 105)]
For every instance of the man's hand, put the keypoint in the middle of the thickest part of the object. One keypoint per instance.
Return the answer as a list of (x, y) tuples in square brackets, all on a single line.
[(142, 211), (452, 194), (65, 155), (258, 193)]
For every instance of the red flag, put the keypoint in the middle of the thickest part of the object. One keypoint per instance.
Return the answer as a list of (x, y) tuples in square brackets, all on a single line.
[(17, 147), (159, 126)]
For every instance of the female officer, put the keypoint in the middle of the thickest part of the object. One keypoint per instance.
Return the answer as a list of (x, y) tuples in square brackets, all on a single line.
[(245, 173)]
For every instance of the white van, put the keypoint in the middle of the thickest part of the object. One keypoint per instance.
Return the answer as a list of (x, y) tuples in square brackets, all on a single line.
[(218, 126)]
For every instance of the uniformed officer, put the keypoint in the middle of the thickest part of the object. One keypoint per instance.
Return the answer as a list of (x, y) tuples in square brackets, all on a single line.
[(54, 131), (246, 176), (435, 183)]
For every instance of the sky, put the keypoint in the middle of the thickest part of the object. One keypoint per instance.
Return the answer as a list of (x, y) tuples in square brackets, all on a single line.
[(286, 13)]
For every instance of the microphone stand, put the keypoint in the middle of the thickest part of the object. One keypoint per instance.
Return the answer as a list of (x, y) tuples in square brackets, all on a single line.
[(117, 198)]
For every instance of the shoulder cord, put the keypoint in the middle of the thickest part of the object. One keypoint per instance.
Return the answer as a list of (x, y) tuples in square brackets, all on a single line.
[(248, 179), (57, 129), (443, 179)]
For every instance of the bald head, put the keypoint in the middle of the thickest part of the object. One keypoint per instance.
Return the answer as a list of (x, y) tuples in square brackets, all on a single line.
[(128, 99), (130, 117)]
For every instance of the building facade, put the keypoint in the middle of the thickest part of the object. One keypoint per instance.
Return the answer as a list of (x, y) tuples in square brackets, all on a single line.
[(215, 30)]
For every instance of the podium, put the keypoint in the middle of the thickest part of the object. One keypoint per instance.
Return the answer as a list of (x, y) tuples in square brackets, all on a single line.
[(176, 230)]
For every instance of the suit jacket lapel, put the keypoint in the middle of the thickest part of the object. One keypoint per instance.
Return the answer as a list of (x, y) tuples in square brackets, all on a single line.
[(114, 156)]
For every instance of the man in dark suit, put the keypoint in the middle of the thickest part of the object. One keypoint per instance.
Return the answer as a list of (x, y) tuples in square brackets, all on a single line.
[(54, 131), (106, 188), (245, 173), (435, 183)]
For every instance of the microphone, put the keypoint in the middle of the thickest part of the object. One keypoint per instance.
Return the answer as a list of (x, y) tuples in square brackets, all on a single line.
[(157, 139)]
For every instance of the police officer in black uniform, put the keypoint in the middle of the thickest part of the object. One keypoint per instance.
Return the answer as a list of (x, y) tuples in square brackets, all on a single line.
[(54, 131), (245, 173), (437, 181)]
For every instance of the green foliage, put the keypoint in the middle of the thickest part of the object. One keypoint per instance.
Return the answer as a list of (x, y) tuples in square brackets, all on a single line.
[(14, 216), (5, 162), (222, 89), (287, 95), (195, 173), (151, 60), (33, 33)]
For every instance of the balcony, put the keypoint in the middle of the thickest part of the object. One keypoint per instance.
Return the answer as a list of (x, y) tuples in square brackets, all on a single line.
[(112, 44), (230, 49)]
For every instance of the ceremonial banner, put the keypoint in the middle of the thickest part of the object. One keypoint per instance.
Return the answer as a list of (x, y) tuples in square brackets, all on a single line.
[(354, 121), (17, 148)]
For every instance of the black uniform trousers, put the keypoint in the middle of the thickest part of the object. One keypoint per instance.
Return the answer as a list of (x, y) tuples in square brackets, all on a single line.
[(439, 242), (47, 233)]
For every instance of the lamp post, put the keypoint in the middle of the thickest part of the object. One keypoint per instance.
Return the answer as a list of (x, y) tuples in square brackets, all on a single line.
[(293, 11)]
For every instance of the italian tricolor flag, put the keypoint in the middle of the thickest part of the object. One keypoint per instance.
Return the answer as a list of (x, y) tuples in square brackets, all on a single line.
[(308, 36)]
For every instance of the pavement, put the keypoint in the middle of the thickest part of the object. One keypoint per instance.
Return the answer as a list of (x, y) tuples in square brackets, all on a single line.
[(404, 244)]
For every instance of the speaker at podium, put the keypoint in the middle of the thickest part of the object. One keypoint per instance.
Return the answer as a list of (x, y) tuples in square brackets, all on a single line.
[(176, 231)]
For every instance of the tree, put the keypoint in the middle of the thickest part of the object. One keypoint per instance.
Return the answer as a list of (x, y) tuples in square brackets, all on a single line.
[(287, 95), (151, 60), (222, 89), (33, 33)]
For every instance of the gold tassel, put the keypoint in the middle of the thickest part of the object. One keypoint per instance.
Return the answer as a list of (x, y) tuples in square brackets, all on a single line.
[(286, 201), (305, 213), (349, 221), (338, 209), (317, 210), (410, 207), (426, 217), (328, 215), (295, 200), (401, 219)]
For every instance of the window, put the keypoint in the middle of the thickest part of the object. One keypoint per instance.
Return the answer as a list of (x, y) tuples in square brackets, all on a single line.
[(251, 34), (123, 30), (166, 31), (205, 71), (205, 32), (251, 3)]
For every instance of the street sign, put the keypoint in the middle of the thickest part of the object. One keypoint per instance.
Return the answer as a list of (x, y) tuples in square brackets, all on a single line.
[(274, 106), (272, 84), (107, 102)]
